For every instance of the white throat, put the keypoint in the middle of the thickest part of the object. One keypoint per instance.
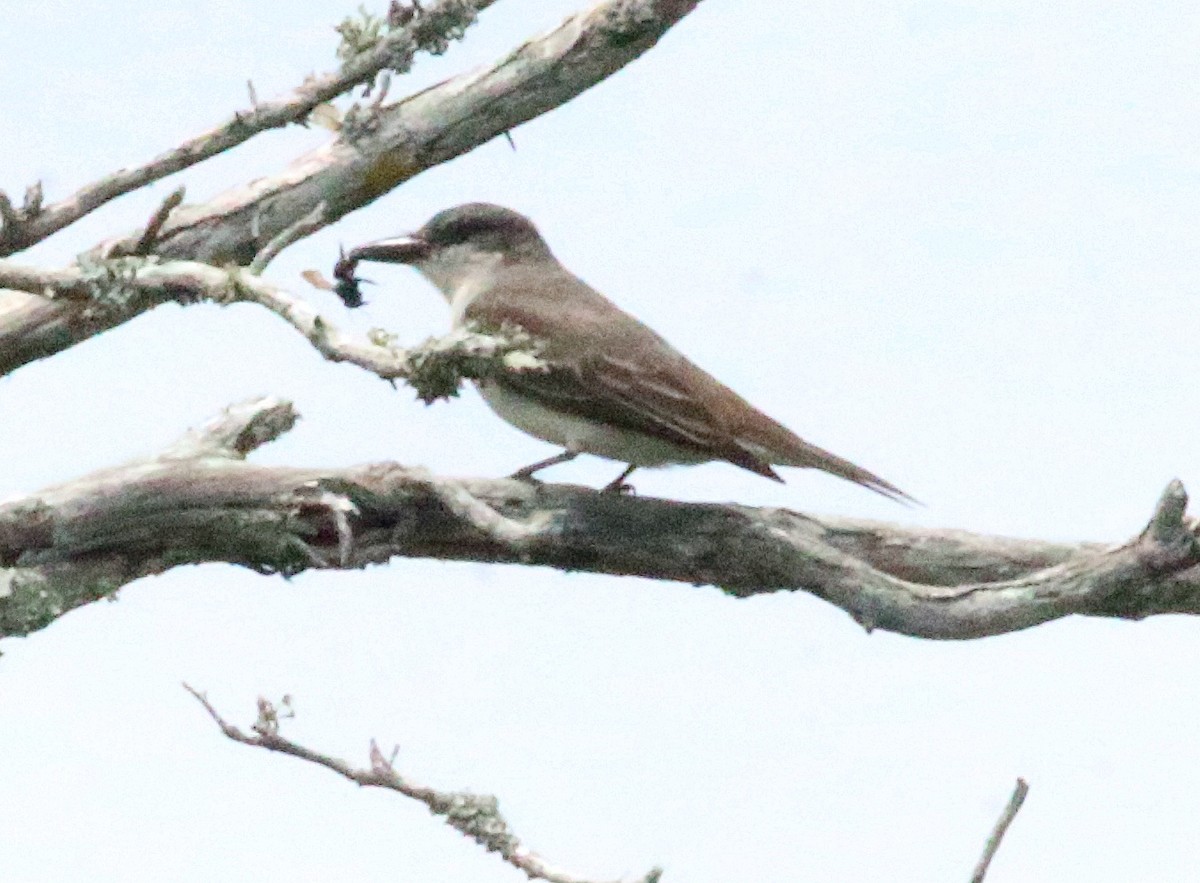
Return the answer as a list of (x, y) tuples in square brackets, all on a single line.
[(461, 274)]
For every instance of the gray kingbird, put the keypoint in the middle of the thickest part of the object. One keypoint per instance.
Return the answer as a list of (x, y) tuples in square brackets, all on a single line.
[(613, 388)]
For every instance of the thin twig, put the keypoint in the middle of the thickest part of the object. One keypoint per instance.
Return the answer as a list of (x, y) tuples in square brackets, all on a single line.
[(31, 207), (306, 226), (154, 226), (1006, 819), (385, 83), (235, 432), (475, 815), (10, 219)]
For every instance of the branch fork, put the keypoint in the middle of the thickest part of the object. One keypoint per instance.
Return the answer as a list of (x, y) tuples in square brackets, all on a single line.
[(1171, 541), (35, 221), (476, 816)]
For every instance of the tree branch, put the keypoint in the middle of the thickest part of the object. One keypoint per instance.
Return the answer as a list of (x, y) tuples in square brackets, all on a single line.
[(200, 501), (236, 431), (149, 238), (998, 832), (108, 291), (474, 815), (395, 51), (378, 149), (306, 226)]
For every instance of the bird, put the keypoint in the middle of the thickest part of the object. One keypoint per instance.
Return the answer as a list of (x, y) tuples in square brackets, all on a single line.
[(611, 387)]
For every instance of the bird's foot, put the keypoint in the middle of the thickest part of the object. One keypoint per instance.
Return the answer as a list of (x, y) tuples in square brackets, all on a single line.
[(526, 474)]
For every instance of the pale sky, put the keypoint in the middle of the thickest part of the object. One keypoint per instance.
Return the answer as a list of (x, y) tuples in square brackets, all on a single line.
[(954, 242)]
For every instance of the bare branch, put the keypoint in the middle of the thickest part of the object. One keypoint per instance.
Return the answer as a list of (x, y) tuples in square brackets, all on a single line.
[(381, 149), (43, 311), (385, 86), (31, 206), (386, 147), (66, 283), (76, 543), (395, 51), (14, 221), (474, 815), (306, 226), (997, 835), (10, 218), (237, 430), (154, 226), (105, 293)]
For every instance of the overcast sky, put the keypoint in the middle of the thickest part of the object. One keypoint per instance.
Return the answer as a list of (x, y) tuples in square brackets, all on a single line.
[(954, 242)]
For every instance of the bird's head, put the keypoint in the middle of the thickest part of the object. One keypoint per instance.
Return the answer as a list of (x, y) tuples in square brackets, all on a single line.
[(457, 244)]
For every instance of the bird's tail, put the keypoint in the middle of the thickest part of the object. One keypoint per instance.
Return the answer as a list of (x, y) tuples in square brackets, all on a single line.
[(785, 448), (809, 456)]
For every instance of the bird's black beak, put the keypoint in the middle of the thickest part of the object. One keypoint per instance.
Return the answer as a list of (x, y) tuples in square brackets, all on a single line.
[(406, 249)]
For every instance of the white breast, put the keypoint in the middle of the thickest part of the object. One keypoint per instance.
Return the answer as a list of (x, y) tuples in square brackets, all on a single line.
[(462, 274), (582, 435)]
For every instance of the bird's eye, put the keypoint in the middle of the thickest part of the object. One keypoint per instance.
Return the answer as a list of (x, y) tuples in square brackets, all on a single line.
[(460, 231), (457, 233)]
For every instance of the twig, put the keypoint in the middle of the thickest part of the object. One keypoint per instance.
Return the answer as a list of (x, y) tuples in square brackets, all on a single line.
[(385, 83), (238, 430), (10, 219), (154, 226), (475, 815), (306, 226), (997, 835), (31, 206)]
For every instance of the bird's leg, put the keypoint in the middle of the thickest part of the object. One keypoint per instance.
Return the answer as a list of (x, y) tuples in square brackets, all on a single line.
[(527, 473), (618, 485)]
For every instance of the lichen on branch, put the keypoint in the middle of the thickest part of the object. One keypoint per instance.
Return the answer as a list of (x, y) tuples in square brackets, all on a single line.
[(201, 500)]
